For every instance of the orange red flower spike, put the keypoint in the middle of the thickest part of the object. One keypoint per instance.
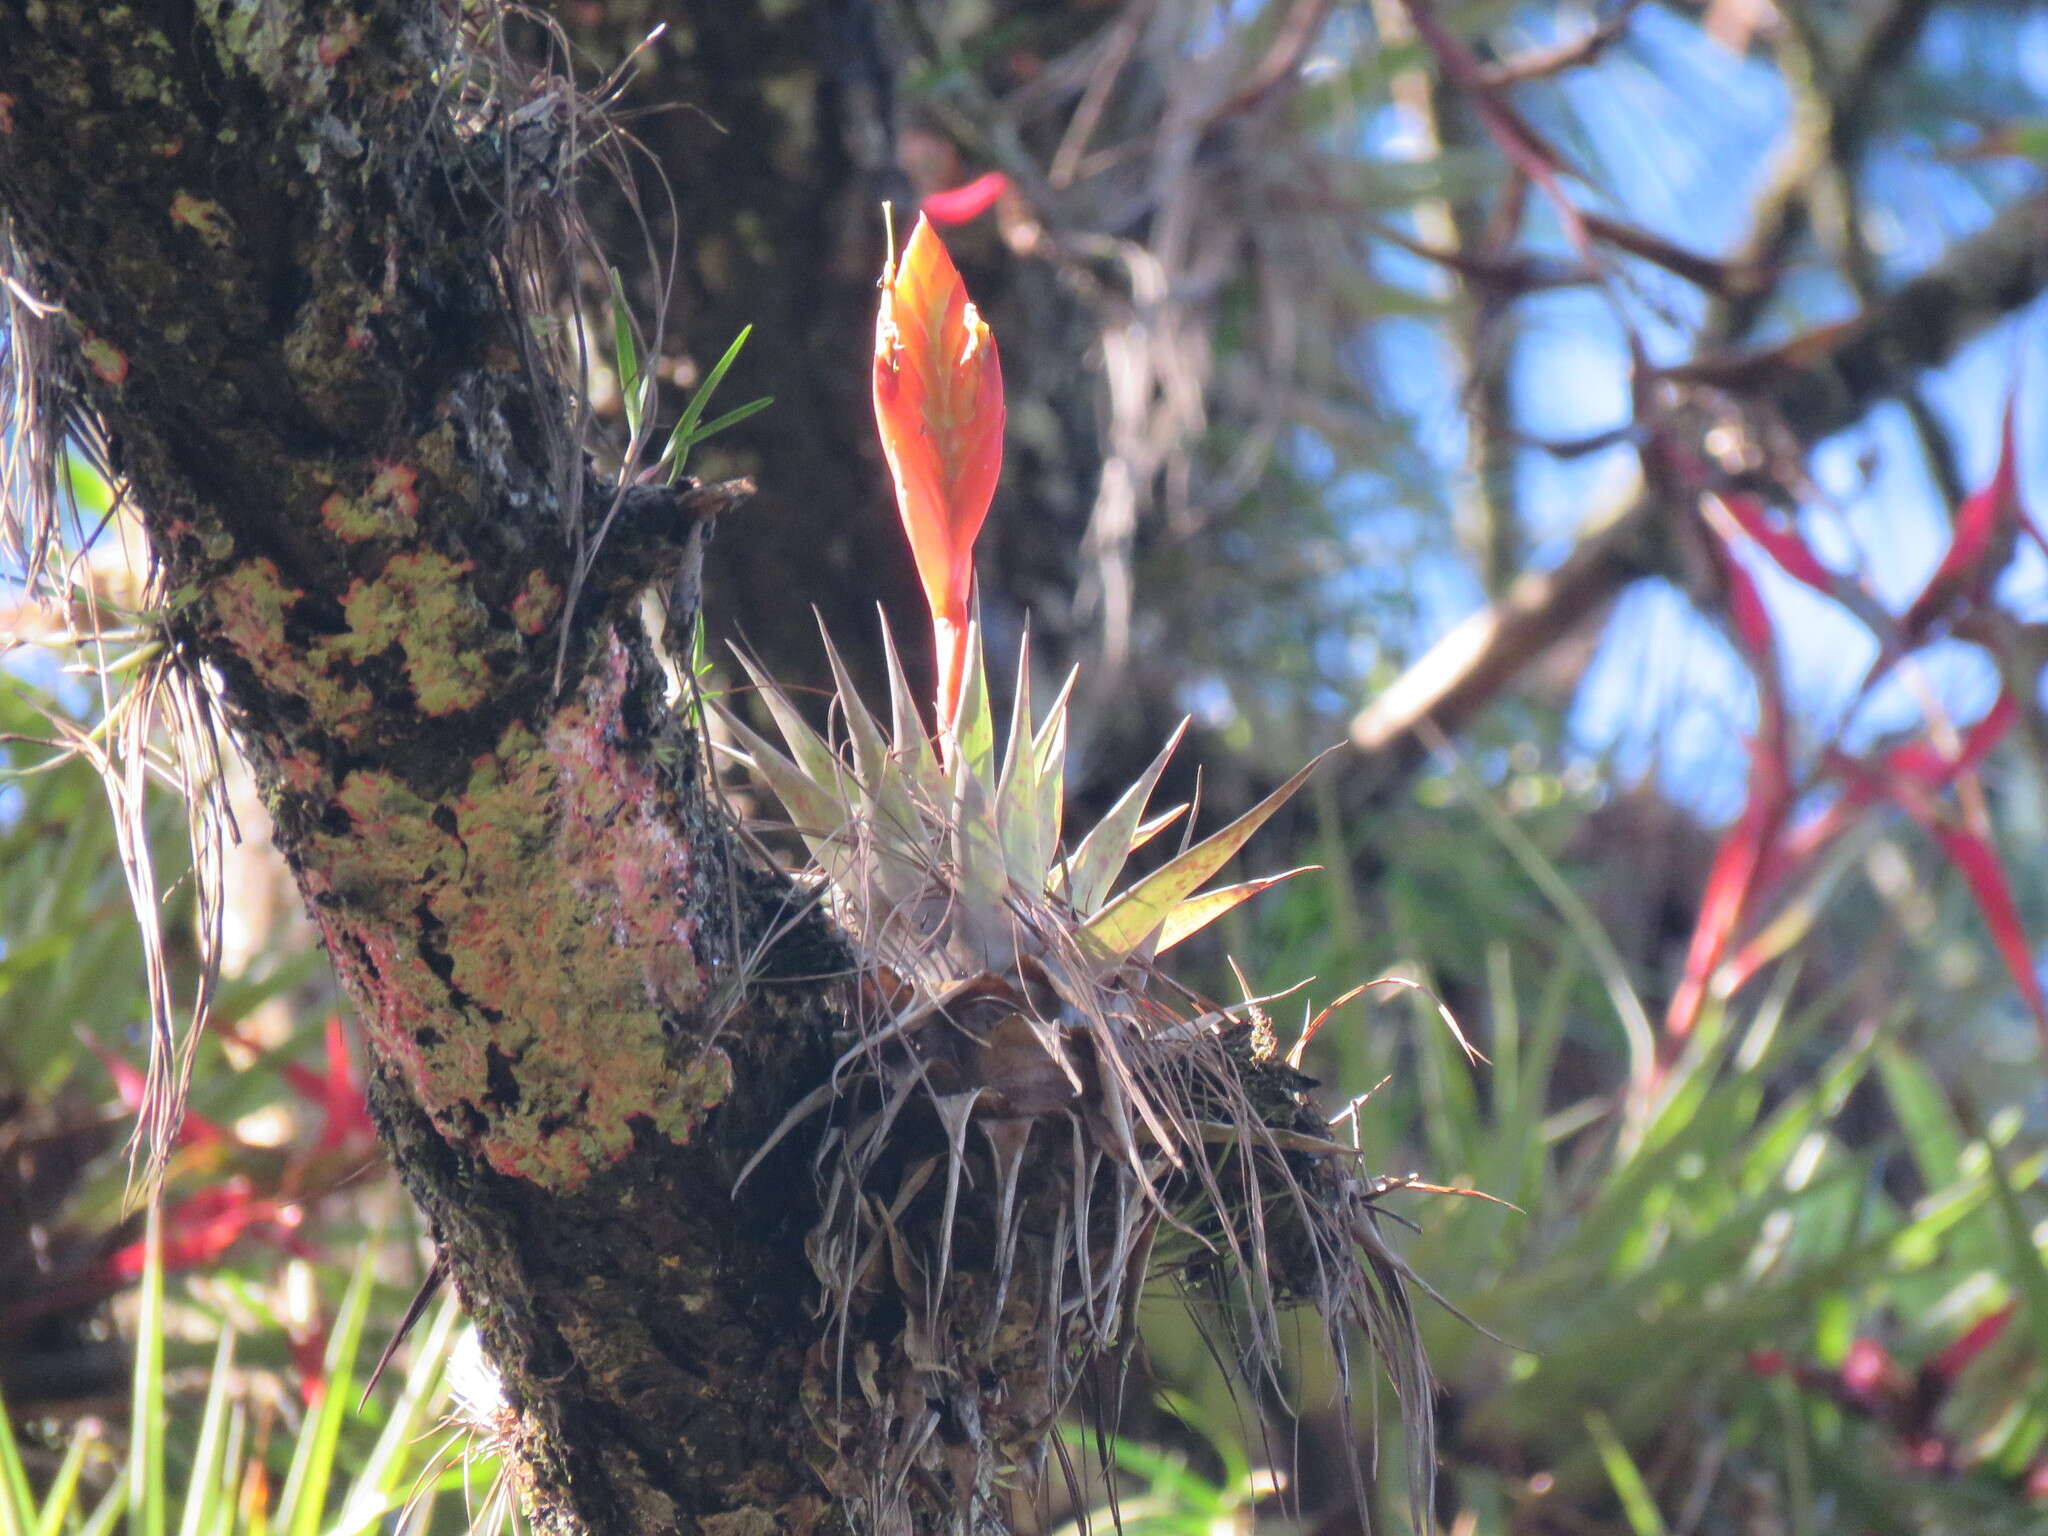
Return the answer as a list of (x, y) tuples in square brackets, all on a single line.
[(939, 405)]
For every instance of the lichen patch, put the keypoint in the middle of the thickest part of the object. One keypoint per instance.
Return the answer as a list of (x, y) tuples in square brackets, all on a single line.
[(105, 359), (388, 509), (539, 600), (251, 603), (421, 604), (204, 217), (534, 1020)]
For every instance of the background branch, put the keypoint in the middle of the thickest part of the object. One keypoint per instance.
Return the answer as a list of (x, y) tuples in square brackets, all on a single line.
[(1815, 386)]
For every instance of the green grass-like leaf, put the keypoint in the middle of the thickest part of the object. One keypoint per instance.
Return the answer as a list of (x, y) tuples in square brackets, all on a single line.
[(1637, 1503), (303, 1504), (146, 1507), (691, 428), (626, 354)]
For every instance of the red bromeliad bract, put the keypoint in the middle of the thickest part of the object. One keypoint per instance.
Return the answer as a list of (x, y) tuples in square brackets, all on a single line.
[(939, 405)]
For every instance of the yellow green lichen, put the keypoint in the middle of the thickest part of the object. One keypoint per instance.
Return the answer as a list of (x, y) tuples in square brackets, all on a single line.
[(532, 1017), (105, 359), (537, 603), (250, 603), (388, 509), (421, 603), (253, 33), (204, 217)]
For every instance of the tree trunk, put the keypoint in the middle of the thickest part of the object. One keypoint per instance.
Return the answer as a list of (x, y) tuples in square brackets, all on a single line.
[(282, 238)]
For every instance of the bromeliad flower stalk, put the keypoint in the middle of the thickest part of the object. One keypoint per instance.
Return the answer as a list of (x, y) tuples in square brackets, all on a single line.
[(1028, 1120), (939, 405)]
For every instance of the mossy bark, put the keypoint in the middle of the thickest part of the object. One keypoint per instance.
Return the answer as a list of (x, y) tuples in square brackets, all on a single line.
[(280, 257)]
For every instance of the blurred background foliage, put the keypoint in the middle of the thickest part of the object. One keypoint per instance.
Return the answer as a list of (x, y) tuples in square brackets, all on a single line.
[(1369, 365)]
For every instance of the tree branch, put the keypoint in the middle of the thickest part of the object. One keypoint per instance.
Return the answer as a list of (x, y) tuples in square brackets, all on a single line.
[(1816, 385), (1829, 126)]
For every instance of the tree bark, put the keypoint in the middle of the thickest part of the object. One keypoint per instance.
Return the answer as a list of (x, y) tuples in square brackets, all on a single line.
[(279, 235)]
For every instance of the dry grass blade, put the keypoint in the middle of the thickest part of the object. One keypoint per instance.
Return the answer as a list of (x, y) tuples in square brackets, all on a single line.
[(87, 595)]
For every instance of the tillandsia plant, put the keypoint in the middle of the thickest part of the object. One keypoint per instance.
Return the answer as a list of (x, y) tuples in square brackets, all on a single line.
[(1029, 1119)]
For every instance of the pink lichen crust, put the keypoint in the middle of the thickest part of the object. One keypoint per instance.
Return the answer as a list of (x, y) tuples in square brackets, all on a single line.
[(518, 960)]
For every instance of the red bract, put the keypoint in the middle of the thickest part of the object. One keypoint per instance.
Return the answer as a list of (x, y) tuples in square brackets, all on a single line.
[(1743, 857), (1762, 851), (202, 1227), (1973, 854), (1986, 524), (958, 205), (1784, 545), (1908, 1405), (1765, 1362), (1732, 884), (1950, 1363), (1869, 1372), (1984, 873), (1746, 610), (1921, 762), (939, 404), (344, 1117), (193, 1130)]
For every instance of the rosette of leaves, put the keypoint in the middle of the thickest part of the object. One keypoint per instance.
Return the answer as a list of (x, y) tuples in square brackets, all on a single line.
[(1029, 1119)]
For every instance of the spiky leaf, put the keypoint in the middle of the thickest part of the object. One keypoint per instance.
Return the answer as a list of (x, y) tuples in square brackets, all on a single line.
[(1198, 912), (1100, 858), (906, 729), (1050, 749), (819, 817), (1123, 928), (971, 741), (1027, 841)]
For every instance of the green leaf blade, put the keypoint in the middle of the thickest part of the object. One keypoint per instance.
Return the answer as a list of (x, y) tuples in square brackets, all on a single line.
[(1141, 912)]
